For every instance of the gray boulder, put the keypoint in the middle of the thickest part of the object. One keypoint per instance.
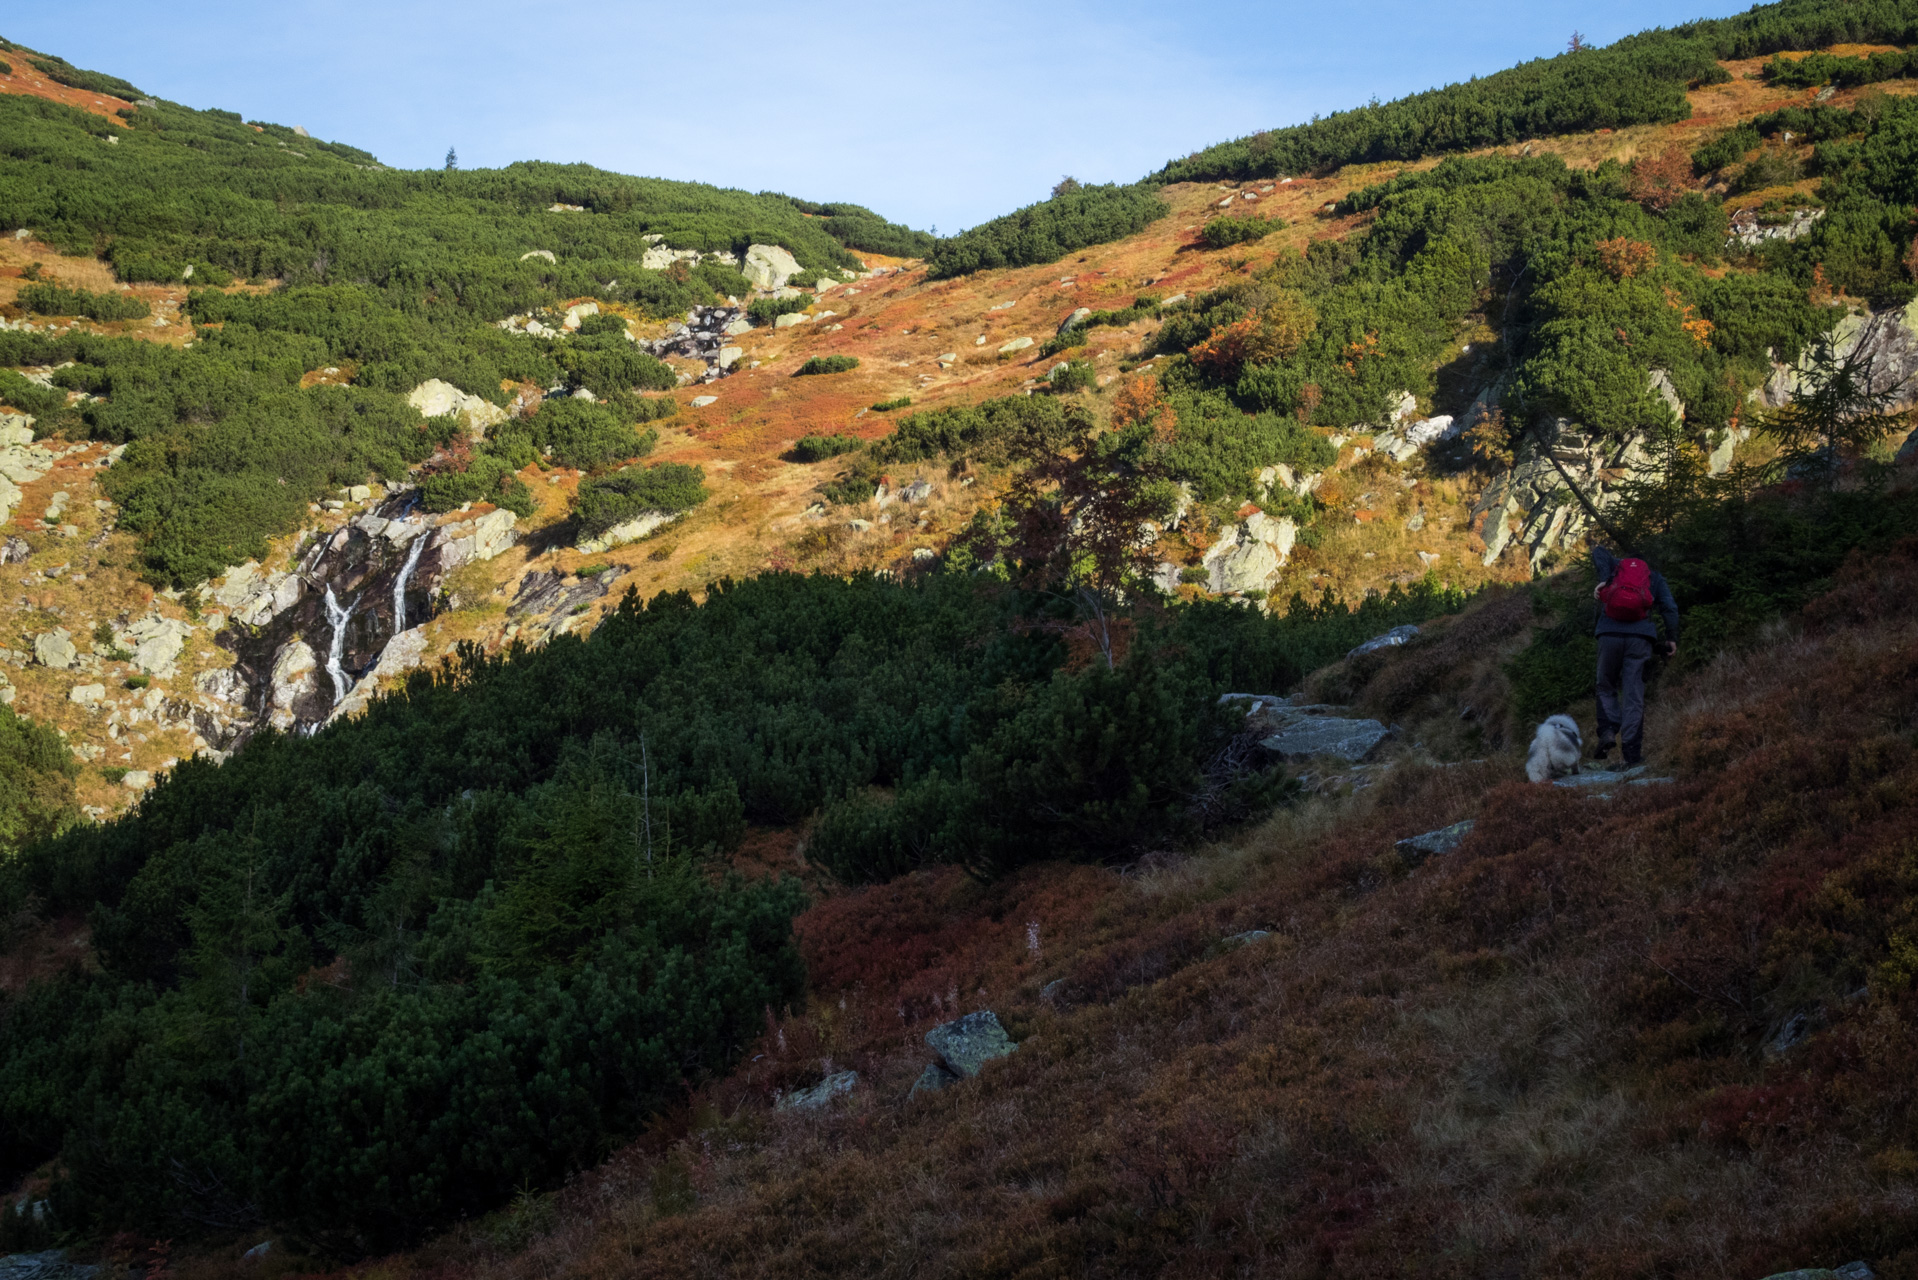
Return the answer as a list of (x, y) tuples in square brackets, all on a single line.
[(966, 1044), (1076, 319), (1416, 849), (820, 1094), (14, 551), (768, 266), (55, 649), (1245, 939)]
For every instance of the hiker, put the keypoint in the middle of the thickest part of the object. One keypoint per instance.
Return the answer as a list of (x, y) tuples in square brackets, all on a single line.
[(1628, 591)]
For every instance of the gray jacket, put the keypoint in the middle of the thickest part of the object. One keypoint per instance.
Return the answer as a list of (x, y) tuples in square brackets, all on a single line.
[(1663, 605)]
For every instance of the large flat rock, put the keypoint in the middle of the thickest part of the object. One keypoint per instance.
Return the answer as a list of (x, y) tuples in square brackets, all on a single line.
[(1309, 736)]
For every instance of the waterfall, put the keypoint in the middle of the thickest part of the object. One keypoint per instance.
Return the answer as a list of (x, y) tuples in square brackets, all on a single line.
[(399, 584), (338, 617)]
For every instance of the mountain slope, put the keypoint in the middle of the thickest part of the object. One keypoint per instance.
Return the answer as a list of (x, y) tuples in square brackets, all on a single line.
[(357, 985)]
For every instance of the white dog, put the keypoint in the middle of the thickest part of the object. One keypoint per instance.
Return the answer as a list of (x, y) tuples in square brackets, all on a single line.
[(1555, 750)]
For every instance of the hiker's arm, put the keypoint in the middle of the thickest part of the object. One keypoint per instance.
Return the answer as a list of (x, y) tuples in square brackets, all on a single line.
[(1667, 609)]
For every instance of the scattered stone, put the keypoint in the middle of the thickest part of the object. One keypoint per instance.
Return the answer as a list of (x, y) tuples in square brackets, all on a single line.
[(262, 1249), (924, 555), (1250, 936), (859, 526), (1017, 344), (790, 319), (700, 402), (530, 253), (87, 695), (1390, 640), (435, 399), (820, 1094), (728, 356), (14, 551), (155, 642), (736, 327), (136, 779), (55, 649), (1003, 306), (966, 1044), (1174, 300), (917, 491), (1075, 319), (1416, 849)]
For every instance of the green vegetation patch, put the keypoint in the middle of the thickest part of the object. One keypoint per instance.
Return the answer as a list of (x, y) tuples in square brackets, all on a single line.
[(1048, 231), (54, 300), (827, 364), (669, 487), (1221, 233), (820, 448), (763, 311)]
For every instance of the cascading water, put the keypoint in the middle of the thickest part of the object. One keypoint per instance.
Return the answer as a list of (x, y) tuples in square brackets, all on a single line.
[(339, 617), (399, 584)]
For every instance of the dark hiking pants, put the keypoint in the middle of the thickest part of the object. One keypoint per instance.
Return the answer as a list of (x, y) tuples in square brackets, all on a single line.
[(1621, 692)]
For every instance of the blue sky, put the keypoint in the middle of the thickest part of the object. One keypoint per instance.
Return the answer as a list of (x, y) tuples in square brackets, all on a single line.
[(933, 114)]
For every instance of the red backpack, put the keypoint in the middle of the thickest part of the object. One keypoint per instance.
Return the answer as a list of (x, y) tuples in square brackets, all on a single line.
[(1628, 596)]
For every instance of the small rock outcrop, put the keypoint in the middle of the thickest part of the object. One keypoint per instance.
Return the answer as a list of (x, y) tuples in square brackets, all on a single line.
[(768, 266), (295, 683), (820, 1094), (435, 399), (964, 1046), (703, 337), (1248, 557), (55, 649), (1416, 849), (1295, 731)]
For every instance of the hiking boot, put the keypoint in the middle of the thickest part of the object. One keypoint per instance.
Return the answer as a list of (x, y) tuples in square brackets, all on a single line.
[(1631, 760), (1602, 750)]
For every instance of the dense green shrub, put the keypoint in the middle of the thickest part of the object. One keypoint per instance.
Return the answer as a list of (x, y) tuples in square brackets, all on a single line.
[(1073, 375), (54, 300), (1048, 231), (887, 406), (589, 436), (1727, 148), (36, 783), (820, 448), (763, 311), (858, 227), (29, 396), (63, 72), (827, 364), (669, 487), (1221, 233), (1638, 80), (1844, 73), (992, 431)]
